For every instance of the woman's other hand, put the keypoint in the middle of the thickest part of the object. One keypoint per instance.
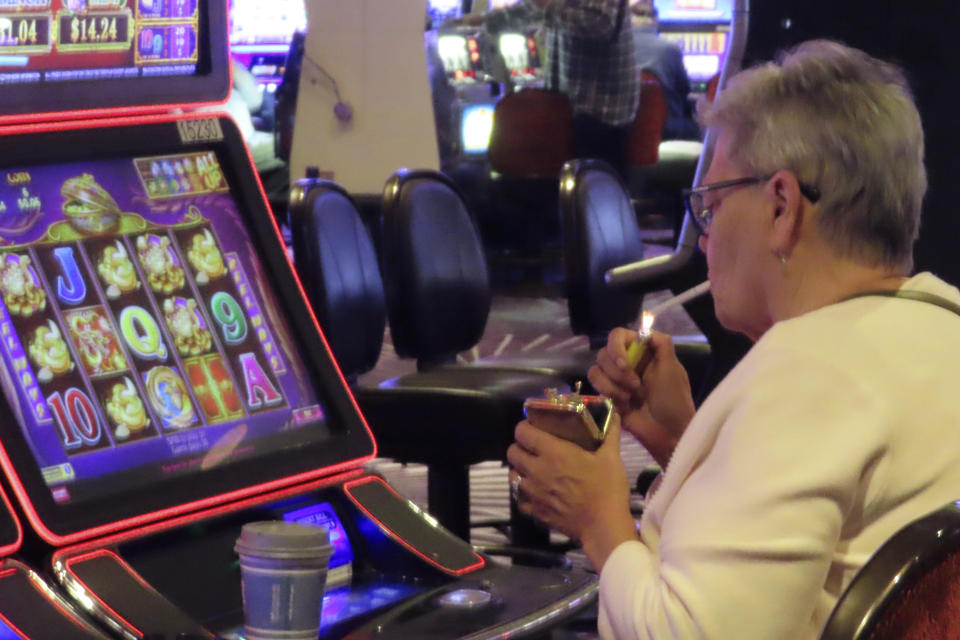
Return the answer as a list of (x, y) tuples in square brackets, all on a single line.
[(656, 404), (584, 494)]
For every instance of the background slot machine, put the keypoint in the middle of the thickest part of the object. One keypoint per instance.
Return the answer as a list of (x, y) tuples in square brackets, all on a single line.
[(702, 29), (260, 35), (520, 52), (162, 378)]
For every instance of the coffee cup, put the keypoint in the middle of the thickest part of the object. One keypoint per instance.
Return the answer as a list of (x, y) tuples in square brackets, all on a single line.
[(284, 569)]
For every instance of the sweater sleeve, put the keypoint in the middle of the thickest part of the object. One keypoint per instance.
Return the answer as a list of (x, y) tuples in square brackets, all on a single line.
[(742, 548)]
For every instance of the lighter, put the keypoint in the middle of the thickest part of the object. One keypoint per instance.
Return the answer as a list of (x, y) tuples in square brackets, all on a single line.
[(639, 353)]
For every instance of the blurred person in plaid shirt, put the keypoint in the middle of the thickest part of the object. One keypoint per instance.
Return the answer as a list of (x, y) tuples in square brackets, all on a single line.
[(590, 58)]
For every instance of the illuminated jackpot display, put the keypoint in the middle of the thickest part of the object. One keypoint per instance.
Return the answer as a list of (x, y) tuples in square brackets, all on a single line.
[(140, 336), (62, 40)]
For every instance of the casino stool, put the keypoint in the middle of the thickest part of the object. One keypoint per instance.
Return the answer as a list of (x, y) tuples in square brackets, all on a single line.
[(445, 419), (532, 137), (600, 232), (909, 589)]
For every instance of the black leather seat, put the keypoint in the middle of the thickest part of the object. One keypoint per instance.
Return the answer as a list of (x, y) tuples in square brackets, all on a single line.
[(909, 589), (599, 232), (446, 419), (438, 286)]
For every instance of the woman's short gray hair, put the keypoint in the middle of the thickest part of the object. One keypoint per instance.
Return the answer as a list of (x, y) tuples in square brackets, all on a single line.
[(845, 123)]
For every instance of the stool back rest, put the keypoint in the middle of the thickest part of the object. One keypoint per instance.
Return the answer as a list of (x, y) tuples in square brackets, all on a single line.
[(338, 267), (435, 271), (646, 132), (532, 134), (909, 589), (600, 232)]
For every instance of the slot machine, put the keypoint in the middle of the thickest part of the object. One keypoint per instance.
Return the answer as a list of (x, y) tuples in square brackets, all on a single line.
[(261, 32), (163, 378), (521, 57), (467, 61), (702, 30)]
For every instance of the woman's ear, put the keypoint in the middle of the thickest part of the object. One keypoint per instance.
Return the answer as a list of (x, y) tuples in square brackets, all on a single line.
[(786, 222)]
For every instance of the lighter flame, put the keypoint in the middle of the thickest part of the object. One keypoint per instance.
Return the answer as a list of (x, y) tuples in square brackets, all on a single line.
[(646, 323)]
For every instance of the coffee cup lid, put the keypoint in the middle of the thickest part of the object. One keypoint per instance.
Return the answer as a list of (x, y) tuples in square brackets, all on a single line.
[(278, 539)]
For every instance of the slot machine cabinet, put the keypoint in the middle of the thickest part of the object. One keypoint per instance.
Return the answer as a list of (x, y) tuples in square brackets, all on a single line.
[(162, 377)]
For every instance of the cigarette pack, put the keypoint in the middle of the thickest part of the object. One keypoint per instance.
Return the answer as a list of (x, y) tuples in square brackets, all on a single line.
[(581, 419)]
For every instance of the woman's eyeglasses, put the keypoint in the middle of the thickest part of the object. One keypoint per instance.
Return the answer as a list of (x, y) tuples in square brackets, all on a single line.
[(703, 215)]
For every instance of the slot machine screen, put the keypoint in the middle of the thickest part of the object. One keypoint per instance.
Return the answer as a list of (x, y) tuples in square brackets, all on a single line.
[(255, 23), (73, 55), (459, 54), (513, 49), (701, 67), (261, 32), (439, 11), (155, 348), (703, 51), (694, 10), (476, 125)]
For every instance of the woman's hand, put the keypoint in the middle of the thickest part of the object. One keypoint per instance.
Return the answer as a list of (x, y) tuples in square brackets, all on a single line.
[(656, 405), (584, 494)]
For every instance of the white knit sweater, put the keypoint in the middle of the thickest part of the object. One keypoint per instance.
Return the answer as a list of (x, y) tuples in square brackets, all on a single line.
[(838, 428)]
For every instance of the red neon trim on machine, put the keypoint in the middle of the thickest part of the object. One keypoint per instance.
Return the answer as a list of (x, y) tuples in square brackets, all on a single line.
[(11, 548), (313, 316), (170, 512), (197, 516), (93, 594), (90, 116), (368, 479), (67, 613), (13, 627)]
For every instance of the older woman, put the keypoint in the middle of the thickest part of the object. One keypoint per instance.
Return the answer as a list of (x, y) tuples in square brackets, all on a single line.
[(841, 424)]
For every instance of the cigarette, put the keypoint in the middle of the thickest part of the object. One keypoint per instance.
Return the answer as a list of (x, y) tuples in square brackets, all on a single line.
[(638, 353), (681, 298)]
